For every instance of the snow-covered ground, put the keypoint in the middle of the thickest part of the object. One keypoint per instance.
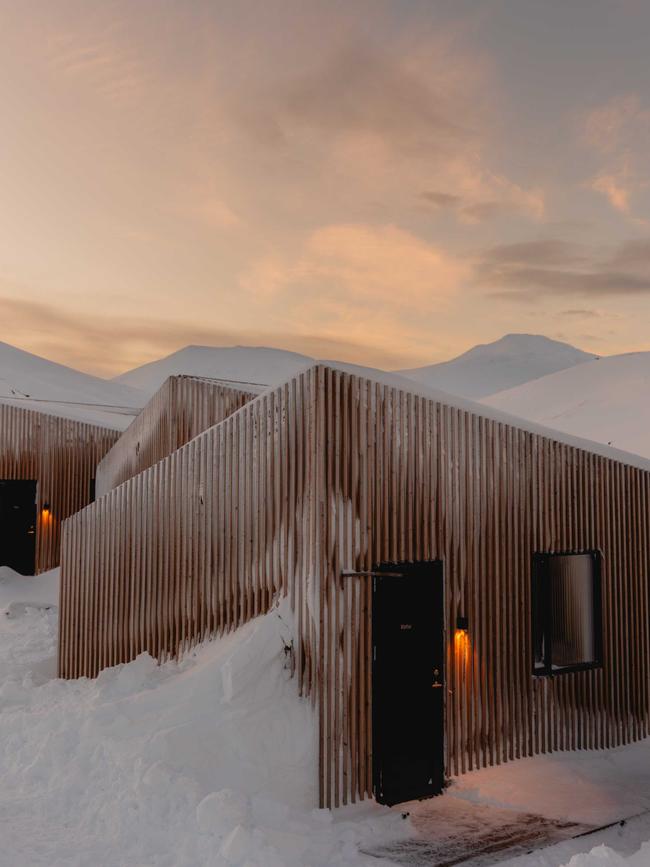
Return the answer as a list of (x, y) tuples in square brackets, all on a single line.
[(212, 761), (207, 762)]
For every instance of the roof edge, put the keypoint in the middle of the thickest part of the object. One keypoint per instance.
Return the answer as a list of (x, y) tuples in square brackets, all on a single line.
[(402, 383)]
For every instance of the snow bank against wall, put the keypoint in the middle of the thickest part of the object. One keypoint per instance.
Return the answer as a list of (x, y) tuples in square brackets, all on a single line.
[(211, 761)]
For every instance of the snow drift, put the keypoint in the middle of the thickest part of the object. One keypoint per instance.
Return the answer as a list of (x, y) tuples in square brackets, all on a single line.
[(210, 761)]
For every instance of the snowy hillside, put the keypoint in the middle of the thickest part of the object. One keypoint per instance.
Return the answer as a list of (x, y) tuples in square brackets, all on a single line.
[(492, 367), (257, 365), (33, 382), (607, 400), (481, 371)]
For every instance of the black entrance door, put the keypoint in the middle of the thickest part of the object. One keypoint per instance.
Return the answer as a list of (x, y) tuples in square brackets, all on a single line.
[(18, 525), (407, 681)]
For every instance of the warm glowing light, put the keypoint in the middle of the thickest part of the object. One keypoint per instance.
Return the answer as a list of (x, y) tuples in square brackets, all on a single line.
[(462, 645)]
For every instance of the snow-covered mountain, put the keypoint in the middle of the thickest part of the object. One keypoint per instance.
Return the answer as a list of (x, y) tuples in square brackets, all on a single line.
[(251, 365), (606, 400), (492, 367), (33, 382), (483, 370)]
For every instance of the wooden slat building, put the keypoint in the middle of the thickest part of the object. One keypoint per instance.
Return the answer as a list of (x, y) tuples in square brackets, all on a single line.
[(335, 473), (182, 408), (47, 469)]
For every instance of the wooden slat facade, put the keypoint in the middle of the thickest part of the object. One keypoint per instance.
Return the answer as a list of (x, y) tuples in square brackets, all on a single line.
[(61, 455), (334, 472), (182, 408)]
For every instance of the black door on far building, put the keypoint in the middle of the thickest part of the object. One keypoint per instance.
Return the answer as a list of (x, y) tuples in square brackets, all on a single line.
[(18, 525), (408, 681)]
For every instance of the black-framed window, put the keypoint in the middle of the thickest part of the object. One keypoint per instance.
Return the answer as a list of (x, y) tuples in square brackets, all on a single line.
[(567, 613)]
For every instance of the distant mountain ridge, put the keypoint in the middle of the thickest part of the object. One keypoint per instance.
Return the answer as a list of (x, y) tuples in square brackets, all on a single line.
[(483, 370), (247, 365), (492, 367), (529, 376)]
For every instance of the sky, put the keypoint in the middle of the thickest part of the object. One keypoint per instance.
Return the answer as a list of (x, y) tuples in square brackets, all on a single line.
[(386, 182)]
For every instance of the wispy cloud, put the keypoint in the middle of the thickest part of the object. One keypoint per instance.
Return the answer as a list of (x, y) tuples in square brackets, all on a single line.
[(514, 200), (111, 344), (556, 267), (177, 158), (618, 131), (359, 90), (357, 124), (632, 254), (364, 263), (582, 314), (372, 285), (551, 251), (94, 52), (615, 189)]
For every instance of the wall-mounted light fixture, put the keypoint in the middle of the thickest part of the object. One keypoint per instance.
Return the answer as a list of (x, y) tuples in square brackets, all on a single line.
[(461, 640), (46, 508)]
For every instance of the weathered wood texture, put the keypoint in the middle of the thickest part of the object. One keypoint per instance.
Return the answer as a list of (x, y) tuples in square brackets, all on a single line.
[(182, 408), (61, 455), (332, 472)]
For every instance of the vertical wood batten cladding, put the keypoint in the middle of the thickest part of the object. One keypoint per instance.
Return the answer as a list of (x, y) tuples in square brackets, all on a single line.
[(186, 540), (61, 455), (182, 408), (333, 472)]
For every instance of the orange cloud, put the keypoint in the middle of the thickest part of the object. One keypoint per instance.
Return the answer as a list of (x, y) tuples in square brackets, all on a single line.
[(369, 285), (619, 132), (614, 190), (110, 344), (364, 262)]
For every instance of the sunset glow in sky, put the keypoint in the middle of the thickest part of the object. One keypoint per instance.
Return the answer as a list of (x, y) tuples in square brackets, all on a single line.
[(381, 181)]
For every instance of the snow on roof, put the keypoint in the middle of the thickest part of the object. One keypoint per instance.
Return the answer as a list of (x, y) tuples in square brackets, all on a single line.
[(607, 400), (34, 383), (100, 415), (257, 369), (234, 384)]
